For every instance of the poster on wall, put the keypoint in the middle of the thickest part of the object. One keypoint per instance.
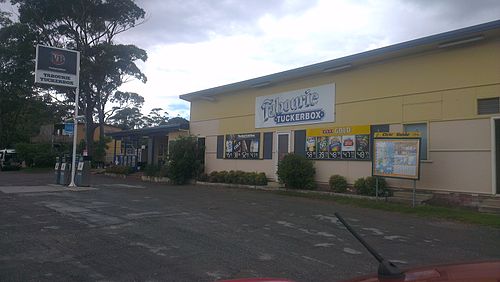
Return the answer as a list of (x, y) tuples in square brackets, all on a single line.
[(338, 143), (303, 106), (242, 146), (396, 155)]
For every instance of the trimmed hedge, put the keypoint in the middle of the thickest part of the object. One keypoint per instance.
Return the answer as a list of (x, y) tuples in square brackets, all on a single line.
[(296, 172), (235, 177), (338, 183), (120, 169)]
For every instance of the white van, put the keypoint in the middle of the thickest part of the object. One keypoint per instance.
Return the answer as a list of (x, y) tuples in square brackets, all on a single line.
[(8, 159)]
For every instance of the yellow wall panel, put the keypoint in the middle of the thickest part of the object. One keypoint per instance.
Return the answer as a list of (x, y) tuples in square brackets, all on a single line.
[(422, 112), (459, 104), (422, 98), (370, 112), (489, 91)]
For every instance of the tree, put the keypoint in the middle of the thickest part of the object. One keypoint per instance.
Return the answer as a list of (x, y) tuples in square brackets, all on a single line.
[(155, 118), (126, 114), (90, 27), (128, 118), (22, 108)]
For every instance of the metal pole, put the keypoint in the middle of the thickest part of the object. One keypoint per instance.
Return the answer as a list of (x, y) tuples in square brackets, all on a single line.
[(376, 188), (414, 191), (75, 133)]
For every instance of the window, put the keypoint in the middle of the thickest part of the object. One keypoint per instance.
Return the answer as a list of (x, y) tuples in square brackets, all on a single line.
[(299, 142), (268, 145), (422, 128), (220, 146), (488, 106)]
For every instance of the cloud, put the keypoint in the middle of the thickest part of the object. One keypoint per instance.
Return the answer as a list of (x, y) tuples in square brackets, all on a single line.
[(188, 21), (208, 44)]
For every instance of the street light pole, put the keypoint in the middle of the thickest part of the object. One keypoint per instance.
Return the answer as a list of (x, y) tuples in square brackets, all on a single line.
[(75, 139)]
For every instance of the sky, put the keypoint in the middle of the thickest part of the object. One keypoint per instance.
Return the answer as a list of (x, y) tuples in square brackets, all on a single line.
[(198, 44)]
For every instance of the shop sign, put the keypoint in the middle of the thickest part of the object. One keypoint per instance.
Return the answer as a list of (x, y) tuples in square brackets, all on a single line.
[(69, 129), (304, 106), (338, 143), (56, 66), (242, 146), (397, 156), (397, 134)]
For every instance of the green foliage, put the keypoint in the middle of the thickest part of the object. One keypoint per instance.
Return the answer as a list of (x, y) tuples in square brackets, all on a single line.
[(22, 109), (235, 177), (88, 26), (359, 185), (98, 152), (367, 186), (296, 172), (338, 183), (36, 155), (120, 169), (185, 159)]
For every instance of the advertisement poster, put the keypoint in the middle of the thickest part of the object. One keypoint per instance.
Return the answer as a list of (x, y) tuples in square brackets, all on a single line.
[(397, 157), (338, 143), (242, 146)]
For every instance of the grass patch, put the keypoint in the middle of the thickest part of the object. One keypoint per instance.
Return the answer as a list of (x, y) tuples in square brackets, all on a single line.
[(457, 214)]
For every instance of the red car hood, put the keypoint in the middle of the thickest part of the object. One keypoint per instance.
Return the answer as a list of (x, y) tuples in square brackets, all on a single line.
[(478, 272)]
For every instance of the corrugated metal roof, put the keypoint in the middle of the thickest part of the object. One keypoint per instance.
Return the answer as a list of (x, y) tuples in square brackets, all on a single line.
[(441, 40)]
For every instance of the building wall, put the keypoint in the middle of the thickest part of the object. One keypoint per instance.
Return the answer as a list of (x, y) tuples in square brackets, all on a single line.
[(439, 88)]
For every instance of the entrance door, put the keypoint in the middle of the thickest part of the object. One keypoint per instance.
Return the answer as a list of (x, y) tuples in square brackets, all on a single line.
[(283, 145), (497, 154)]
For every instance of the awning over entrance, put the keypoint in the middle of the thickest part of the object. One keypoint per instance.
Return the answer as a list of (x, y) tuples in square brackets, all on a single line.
[(146, 145), (149, 131)]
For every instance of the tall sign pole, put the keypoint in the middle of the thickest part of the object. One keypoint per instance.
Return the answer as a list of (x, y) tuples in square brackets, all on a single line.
[(75, 139), (60, 67)]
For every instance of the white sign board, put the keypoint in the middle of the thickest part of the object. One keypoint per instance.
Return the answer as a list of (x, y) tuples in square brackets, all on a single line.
[(304, 106), (57, 66)]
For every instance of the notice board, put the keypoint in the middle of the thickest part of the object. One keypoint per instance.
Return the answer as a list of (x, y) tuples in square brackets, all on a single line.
[(396, 155)]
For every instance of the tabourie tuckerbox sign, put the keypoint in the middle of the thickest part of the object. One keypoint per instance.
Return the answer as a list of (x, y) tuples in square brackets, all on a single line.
[(57, 66), (304, 106)]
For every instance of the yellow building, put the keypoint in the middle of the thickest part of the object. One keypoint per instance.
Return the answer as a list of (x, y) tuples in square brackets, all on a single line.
[(446, 86)]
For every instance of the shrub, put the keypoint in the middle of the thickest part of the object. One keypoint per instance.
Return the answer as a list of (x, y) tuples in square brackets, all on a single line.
[(235, 177), (261, 179), (212, 177), (185, 159), (120, 169), (296, 172), (338, 183), (36, 155), (367, 186), (203, 177), (359, 185)]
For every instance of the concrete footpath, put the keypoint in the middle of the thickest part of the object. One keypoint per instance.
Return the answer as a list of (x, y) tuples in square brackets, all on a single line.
[(123, 229)]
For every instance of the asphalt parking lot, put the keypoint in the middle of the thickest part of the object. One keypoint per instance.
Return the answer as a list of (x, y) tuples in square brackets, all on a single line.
[(126, 229)]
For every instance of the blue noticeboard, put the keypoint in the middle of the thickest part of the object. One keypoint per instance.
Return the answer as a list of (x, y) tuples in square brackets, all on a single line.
[(69, 128)]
